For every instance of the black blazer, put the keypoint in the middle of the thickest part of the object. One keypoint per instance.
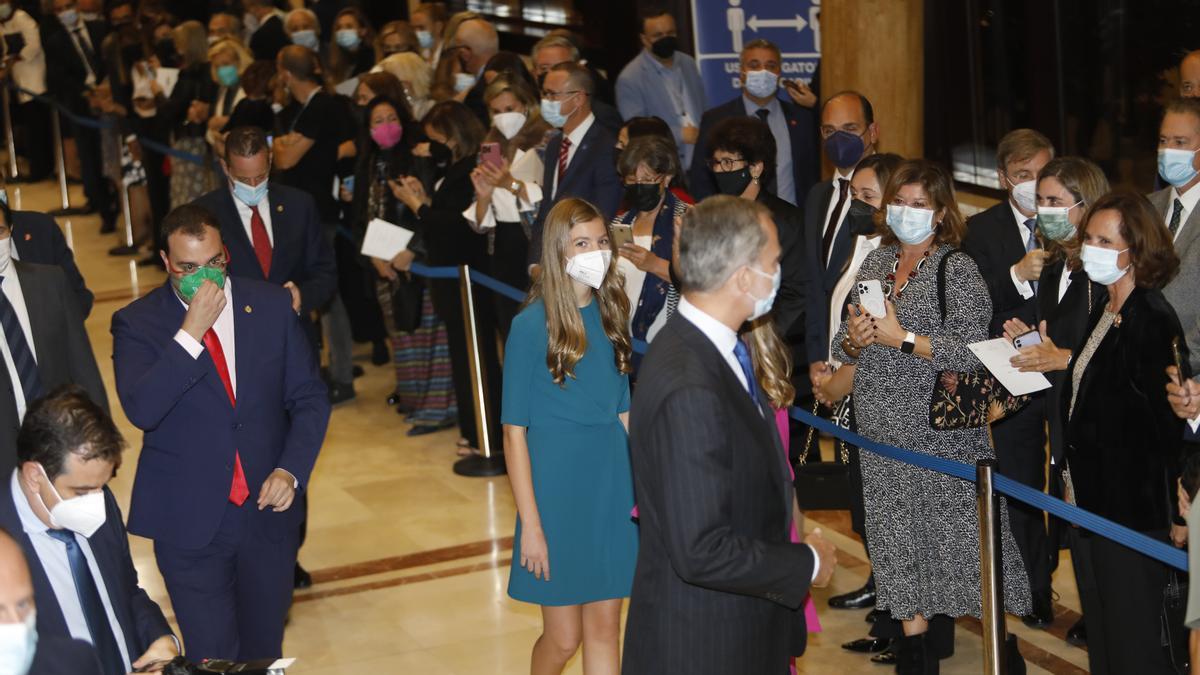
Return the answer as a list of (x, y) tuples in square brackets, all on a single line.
[(819, 279), (591, 175), (270, 37), (140, 618), (56, 655), (39, 240), (718, 584), (995, 244), (448, 238), (60, 341), (805, 158), (1123, 441), (66, 73), (608, 117), (300, 254), (1067, 325), (789, 221)]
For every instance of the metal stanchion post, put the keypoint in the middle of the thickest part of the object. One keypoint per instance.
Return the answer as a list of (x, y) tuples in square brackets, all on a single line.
[(126, 212), (6, 100), (60, 159), (491, 460), (991, 572)]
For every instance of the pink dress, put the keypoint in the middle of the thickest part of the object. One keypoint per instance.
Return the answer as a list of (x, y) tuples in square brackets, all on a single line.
[(812, 621)]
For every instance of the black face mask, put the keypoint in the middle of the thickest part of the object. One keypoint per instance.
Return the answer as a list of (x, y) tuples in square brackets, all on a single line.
[(131, 54), (440, 154), (861, 218), (664, 47), (732, 182), (165, 51), (643, 197)]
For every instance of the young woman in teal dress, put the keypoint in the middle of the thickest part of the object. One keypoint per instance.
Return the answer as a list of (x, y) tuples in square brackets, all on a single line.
[(566, 420)]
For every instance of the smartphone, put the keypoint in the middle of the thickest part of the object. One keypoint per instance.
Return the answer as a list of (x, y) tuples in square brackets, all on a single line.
[(1027, 339), (621, 235), (870, 296), (1177, 354), (489, 153)]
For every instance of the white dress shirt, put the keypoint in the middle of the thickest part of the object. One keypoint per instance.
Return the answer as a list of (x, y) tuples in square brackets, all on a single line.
[(576, 137), (264, 210), (1023, 287), (224, 330), (11, 287), (1064, 282), (52, 554), (833, 200), (29, 71), (1188, 200)]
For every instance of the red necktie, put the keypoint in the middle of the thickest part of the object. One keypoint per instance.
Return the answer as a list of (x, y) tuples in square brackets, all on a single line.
[(564, 152), (238, 492), (262, 244)]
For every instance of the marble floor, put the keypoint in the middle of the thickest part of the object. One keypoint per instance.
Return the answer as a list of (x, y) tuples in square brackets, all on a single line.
[(410, 561)]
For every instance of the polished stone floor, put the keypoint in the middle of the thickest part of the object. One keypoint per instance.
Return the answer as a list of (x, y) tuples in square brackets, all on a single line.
[(410, 561)]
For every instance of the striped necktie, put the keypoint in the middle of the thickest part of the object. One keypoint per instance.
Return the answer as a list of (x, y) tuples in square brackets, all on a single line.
[(18, 348)]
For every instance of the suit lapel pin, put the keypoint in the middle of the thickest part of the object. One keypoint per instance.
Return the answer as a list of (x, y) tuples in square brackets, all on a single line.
[(248, 309), (28, 236), (279, 208)]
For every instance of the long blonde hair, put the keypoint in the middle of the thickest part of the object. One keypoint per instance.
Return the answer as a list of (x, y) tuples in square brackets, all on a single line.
[(772, 362), (564, 323)]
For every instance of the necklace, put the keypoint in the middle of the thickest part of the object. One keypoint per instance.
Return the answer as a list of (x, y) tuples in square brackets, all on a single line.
[(891, 277)]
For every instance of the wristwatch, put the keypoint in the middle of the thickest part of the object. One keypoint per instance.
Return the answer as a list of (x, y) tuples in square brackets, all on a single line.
[(909, 344), (515, 188)]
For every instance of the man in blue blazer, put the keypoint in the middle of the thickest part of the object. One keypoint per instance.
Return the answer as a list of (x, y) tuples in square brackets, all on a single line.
[(38, 239), (796, 157), (67, 523), (585, 168), (219, 375)]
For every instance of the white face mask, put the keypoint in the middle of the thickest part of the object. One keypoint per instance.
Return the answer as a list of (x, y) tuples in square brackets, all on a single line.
[(1025, 194), (18, 644), (83, 514), (1101, 264), (590, 268), (763, 305), (509, 123), (463, 82), (910, 225)]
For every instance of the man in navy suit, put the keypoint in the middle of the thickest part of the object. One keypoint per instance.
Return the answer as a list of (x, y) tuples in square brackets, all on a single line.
[(222, 380), (796, 155), (38, 239), (39, 654), (69, 526), (579, 158)]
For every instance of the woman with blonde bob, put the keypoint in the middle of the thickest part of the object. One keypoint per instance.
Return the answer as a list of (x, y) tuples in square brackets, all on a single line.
[(566, 420)]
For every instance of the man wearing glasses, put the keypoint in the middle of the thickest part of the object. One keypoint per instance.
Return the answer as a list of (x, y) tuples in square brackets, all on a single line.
[(223, 382)]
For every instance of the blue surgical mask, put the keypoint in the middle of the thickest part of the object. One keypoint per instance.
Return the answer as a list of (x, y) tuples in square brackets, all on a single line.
[(250, 196), (910, 225), (425, 39), (1101, 264), (761, 83), (305, 38), (552, 113), (348, 38), (1177, 167), (463, 82), (844, 149), (18, 644), (227, 75), (763, 305)]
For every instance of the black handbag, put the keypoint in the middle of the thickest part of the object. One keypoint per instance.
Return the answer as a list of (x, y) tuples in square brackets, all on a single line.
[(824, 485), (407, 295)]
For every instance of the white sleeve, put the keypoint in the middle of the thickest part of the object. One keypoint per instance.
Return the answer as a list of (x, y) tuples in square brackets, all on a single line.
[(1023, 287), (189, 343)]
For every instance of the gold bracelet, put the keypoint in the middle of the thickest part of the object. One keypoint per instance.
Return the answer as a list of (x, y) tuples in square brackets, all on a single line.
[(850, 348)]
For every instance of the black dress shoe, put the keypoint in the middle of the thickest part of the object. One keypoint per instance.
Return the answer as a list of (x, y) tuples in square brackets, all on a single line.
[(423, 429), (380, 353), (357, 371), (886, 658), (876, 615), (301, 578), (1077, 634), (868, 645), (124, 250), (341, 393), (859, 599), (1042, 615)]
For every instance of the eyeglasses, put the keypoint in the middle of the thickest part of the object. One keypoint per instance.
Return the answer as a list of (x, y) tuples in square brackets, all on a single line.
[(725, 163), (559, 95), (217, 263)]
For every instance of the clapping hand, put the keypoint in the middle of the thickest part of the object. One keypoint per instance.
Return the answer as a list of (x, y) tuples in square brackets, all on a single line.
[(410, 191)]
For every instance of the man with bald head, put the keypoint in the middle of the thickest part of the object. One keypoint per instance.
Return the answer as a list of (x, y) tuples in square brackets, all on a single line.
[(474, 44), (35, 654)]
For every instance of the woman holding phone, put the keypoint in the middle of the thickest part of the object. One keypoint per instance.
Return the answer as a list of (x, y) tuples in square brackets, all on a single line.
[(566, 420)]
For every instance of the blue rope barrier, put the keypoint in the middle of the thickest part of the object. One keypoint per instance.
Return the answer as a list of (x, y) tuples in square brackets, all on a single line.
[(1137, 541)]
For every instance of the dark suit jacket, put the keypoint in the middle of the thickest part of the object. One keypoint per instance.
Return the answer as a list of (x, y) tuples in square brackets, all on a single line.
[(993, 241), (39, 240), (191, 430), (1067, 325), (270, 37), (608, 116), (60, 341), (56, 655), (789, 221), (140, 618), (66, 72), (300, 253), (448, 238), (805, 157), (1123, 441), (820, 279), (718, 584), (591, 175)]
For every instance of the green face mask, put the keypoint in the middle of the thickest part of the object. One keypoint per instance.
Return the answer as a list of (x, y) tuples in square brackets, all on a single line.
[(1054, 223), (190, 283)]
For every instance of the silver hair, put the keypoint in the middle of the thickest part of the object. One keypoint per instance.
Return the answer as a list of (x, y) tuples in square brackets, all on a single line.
[(555, 41), (717, 237)]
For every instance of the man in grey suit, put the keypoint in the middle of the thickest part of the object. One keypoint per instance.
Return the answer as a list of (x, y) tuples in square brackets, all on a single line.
[(718, 586), (43, 341)]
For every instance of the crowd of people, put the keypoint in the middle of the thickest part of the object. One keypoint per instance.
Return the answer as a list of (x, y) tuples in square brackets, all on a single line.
[(253, 151)]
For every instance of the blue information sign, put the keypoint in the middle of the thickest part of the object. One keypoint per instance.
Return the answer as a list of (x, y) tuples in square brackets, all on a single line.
[(722, 27)]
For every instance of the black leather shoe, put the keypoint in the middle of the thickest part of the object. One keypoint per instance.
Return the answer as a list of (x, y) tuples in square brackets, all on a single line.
[(886, 658), (357, 371), (1077, 634), (341, 393), (875, 615), (380, 353), (1042, 615), (301, 578), (868, 645), (859, 599)]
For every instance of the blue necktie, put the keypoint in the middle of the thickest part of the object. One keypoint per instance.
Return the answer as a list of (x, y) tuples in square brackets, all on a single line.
[(18, 347), (93, 608), (1031, 243), (743, 358)]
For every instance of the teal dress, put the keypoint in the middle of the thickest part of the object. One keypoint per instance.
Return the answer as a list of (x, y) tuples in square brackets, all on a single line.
[(579, 455)]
